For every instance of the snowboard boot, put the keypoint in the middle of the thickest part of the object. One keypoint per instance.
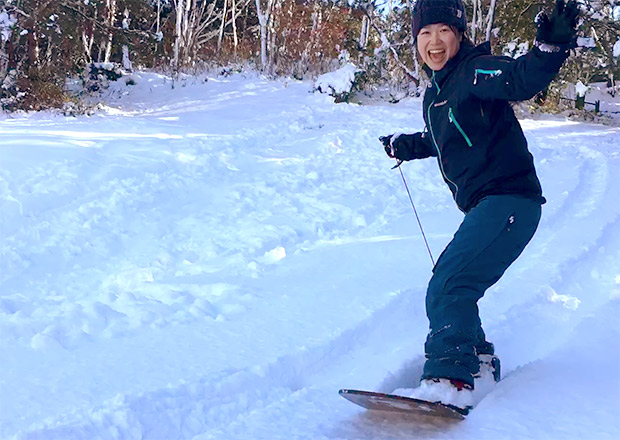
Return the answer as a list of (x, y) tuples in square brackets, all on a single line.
[(451, 392), (489, 366), (487, 377)]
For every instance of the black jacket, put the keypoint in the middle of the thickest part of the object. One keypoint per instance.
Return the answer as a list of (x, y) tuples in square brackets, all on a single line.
[(470, 125)]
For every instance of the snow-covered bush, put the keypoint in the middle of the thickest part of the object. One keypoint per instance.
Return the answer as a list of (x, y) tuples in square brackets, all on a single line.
[(100, 75), (340, 83)]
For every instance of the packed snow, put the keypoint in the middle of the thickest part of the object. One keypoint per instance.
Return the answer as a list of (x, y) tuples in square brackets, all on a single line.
[(213, 258)]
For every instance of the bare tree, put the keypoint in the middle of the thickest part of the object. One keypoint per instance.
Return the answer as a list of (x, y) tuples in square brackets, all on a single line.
[(364, 33), (126, 59), (109, 19), (6, 40), (179, 42), (373, 18), (234, 25), (491, 19), (222, 25), (476, 20), (265, 15), (193, 18), (208, 30)]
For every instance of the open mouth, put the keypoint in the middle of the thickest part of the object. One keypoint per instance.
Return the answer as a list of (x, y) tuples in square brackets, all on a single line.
[(436, 55)]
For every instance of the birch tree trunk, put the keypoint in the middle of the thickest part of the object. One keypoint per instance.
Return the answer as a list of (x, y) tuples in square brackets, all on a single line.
[(473, 20), (491, 19), (158, 16), (177, 33), (222, 25), (126, 60), (234, 25), (186, 31), (363, 41), (111, 9), (271, 45), (263, 21), (195, 25), (88, 39)]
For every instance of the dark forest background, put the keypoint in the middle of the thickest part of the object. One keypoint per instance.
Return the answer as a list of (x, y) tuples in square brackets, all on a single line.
[(45, 42)]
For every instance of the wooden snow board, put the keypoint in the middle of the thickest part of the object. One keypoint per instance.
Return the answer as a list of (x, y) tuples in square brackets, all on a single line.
[(393, 403)]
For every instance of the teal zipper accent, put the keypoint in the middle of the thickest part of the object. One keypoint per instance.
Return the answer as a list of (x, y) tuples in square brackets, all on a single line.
[(453, 120), (436, 85), (491, 73), (430, 130)]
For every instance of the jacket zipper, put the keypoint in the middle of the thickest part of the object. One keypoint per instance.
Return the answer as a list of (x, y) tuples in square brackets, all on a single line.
[(453, 120), (430, 129)]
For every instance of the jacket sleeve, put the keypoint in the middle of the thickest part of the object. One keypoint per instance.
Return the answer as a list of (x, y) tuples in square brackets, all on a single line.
[(499, 77), (425, 147), (417, 146)]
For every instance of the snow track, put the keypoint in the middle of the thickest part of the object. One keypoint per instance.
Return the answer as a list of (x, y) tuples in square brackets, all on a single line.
[(223, 406), (215, 261)]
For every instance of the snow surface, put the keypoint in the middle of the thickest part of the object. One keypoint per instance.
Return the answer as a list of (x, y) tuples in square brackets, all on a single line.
[(214, 260)]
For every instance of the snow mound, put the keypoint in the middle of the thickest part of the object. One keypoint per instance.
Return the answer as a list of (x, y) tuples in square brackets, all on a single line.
[(338, 82)]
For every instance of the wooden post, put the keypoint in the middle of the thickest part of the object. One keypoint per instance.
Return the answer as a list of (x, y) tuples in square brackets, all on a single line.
[(580, 102)]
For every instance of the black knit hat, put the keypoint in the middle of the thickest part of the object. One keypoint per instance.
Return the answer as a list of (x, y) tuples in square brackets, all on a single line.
[(450, 12)]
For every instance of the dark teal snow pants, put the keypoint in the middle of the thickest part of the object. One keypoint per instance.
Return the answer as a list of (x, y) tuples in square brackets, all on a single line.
[(493, 234)]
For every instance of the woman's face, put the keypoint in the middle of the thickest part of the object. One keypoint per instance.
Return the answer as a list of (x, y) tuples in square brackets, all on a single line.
[(437, 43)]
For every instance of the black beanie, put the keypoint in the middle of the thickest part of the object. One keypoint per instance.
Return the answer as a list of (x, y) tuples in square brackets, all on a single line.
[(450, 12)]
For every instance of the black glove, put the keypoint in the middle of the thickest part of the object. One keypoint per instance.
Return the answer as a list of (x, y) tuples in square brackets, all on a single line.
[(561, 27), (399, 147)]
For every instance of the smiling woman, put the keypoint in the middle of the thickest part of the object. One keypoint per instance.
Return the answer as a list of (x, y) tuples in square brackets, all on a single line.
[(484, 159), (438, 43), (438, 27)]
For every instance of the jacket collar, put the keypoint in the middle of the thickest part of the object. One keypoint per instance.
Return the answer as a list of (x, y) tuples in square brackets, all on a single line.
[(466, 51)]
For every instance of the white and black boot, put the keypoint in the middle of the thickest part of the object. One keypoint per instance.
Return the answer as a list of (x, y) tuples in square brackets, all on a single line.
[(487, 377), (451, 392), (489, 363)]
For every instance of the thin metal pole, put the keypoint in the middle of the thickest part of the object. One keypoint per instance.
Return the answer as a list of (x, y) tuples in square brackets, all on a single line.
[(428, 248)]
